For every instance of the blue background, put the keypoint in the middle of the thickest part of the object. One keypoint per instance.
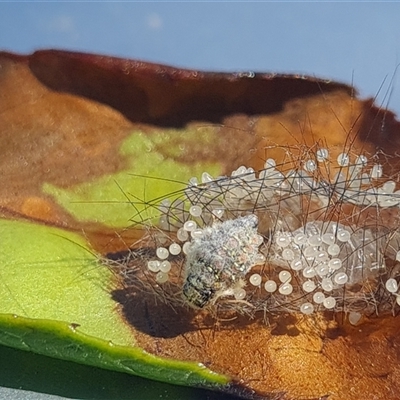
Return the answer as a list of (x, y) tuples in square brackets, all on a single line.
[(347, 41)]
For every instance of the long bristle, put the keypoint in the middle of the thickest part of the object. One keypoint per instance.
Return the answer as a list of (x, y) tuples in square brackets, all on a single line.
[(320, 238)]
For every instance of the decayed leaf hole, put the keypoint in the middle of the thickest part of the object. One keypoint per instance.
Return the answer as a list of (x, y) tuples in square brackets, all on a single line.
[(273, 271)]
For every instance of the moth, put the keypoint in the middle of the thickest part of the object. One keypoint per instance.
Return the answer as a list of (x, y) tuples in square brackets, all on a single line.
[(217, 262)]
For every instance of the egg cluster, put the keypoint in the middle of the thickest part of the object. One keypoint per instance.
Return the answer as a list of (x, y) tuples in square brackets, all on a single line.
[(276, 219), (332, 266)]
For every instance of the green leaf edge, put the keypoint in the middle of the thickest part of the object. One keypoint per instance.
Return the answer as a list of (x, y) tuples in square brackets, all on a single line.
[(62, 340)]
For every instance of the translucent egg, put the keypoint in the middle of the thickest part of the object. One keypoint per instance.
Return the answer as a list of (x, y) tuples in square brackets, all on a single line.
[(343, 159), (197, 233), (288, 254), (218, 212), (164, 205), (310, 251), (296, 265), (333, 250), (239, 294), (309, 272), (270, 163), (310, 166), (285, 276), (283, 241), (195, 211), (318, 297), (174, 249), (322, 269), (163, 223), (389, 187), (343, 236), (240, 171), (314, 240), (335, 263), (162, 253), (354, 317), (186, 247), (391, 285), (329, 303), (161, 277), (182, 235), (365, 179), (190, 226), (270, 286), (361, 160), (300, 239), (327, 284), (322, 256), (153, 266), (165, 266), (193, 181), (328, 238), (286, 289), (341, 278), (255, 279), (307, 308), (322, 155), (206, 177), (376, 171), (309, 286)]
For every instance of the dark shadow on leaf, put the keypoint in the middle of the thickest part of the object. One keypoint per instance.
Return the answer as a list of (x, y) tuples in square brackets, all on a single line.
[(145, 313), (145, 309)]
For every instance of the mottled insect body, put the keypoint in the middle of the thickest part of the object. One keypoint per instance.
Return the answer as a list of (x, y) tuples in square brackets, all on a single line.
[(219, 259)]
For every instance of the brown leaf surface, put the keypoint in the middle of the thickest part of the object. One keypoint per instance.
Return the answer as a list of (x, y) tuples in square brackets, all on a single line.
[(63, 117)]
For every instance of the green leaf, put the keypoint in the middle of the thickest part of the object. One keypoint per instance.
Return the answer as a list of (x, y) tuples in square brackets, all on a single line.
[(34, 372), (147, 174), (50, 276), (65, 341)]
